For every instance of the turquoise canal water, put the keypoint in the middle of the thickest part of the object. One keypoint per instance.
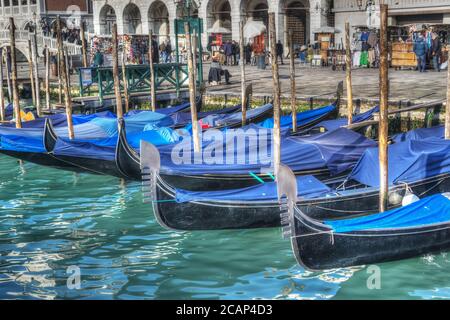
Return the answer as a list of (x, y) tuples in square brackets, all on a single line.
[(54, 221)]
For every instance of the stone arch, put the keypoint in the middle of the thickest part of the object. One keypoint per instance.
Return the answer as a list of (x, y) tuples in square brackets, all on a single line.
[(257, 10), (158, 17), (182, 12), (28, 26), (132, 20), (218, 17), (295, 15), (107, 18), (21, 52)]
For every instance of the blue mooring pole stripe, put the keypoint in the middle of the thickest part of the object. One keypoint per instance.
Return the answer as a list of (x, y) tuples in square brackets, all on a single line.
[(256, 177), (271, 176)]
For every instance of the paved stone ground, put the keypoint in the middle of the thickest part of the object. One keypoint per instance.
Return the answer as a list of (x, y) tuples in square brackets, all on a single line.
[(405, 85)]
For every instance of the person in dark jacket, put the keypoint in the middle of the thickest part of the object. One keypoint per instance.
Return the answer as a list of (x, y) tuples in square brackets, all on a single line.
[(155, 50), (228, 50), (436, 51), (280, 51), (420, 49)]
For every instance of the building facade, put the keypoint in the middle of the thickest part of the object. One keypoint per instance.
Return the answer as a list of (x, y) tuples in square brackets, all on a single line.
[(28, 13), (304, 17), (141, 16), (401, 13)]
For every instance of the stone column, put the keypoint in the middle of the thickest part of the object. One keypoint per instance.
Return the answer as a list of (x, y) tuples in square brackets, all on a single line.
[(236, 17)]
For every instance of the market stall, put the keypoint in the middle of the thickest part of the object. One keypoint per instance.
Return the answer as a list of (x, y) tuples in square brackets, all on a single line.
[(135, 48), (403, 38), (365, 47), (254, 32)]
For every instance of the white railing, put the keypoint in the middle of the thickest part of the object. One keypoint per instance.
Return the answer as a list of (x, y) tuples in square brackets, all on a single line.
[(51, 43), (20, 35)]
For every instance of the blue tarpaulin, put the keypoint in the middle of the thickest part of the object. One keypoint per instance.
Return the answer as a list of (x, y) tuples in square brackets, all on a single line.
[(60, 120), (83, 149), (100, 128), (420, 134), (216, 120), (409, 161), (105, 149), (308, 187), (303, 118), (230, 153), (330, 125), (428, 211), (184, 118)]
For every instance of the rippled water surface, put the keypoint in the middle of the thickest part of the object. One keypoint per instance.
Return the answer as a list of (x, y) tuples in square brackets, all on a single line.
[(52, 221)]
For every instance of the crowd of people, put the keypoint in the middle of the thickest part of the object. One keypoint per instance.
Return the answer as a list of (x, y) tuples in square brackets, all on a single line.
[(428, 50), (71, 35)]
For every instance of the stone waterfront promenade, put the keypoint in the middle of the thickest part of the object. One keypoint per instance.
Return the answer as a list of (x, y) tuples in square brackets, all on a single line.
[(405, 85)]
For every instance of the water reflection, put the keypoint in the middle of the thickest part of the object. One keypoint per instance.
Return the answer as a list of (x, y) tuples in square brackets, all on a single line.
[(51, 220)]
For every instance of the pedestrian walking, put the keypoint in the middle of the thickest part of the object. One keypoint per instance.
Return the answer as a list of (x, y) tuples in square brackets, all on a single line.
[(436, 51), (420, 49), (279, 53)]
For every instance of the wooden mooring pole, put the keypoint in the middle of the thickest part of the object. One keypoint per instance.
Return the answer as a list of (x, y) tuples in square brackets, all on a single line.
[(242, 63), (65, 79), (115, 61), (293, 90), (36, 72), (384, 100), (152, 72), (31, 72), (447, 107), (8, 74), (67, 62), (83, 44), (47, 78), (59, 77), (15, 87), (276, 94), (348, 70), (125, 81), (191, 72), (2, 95)]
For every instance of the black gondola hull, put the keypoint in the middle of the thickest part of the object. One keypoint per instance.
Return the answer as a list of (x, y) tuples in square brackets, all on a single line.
[(41, 158), (318, 248), (203, 215)]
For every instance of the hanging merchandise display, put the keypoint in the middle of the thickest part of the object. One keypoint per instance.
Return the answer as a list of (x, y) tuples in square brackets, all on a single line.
[(365, 47), (135, 48)]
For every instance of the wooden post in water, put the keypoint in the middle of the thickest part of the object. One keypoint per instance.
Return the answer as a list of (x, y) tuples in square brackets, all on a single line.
[(67, 62), (36, 72), (242, 63), (293, 90), (116, 72), (83, 45), (348, 69), (2, 95), (125, 81), (447, 107), (152, 72), (65, 79), (195, 129), (384, 97), (8, 74), (276, 94), (47, 78), (15, 88), (59, 56), (194, 57), (31, 72)]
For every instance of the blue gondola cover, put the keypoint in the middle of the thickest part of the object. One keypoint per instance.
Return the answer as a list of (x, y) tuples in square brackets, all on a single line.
[(431, 210)]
